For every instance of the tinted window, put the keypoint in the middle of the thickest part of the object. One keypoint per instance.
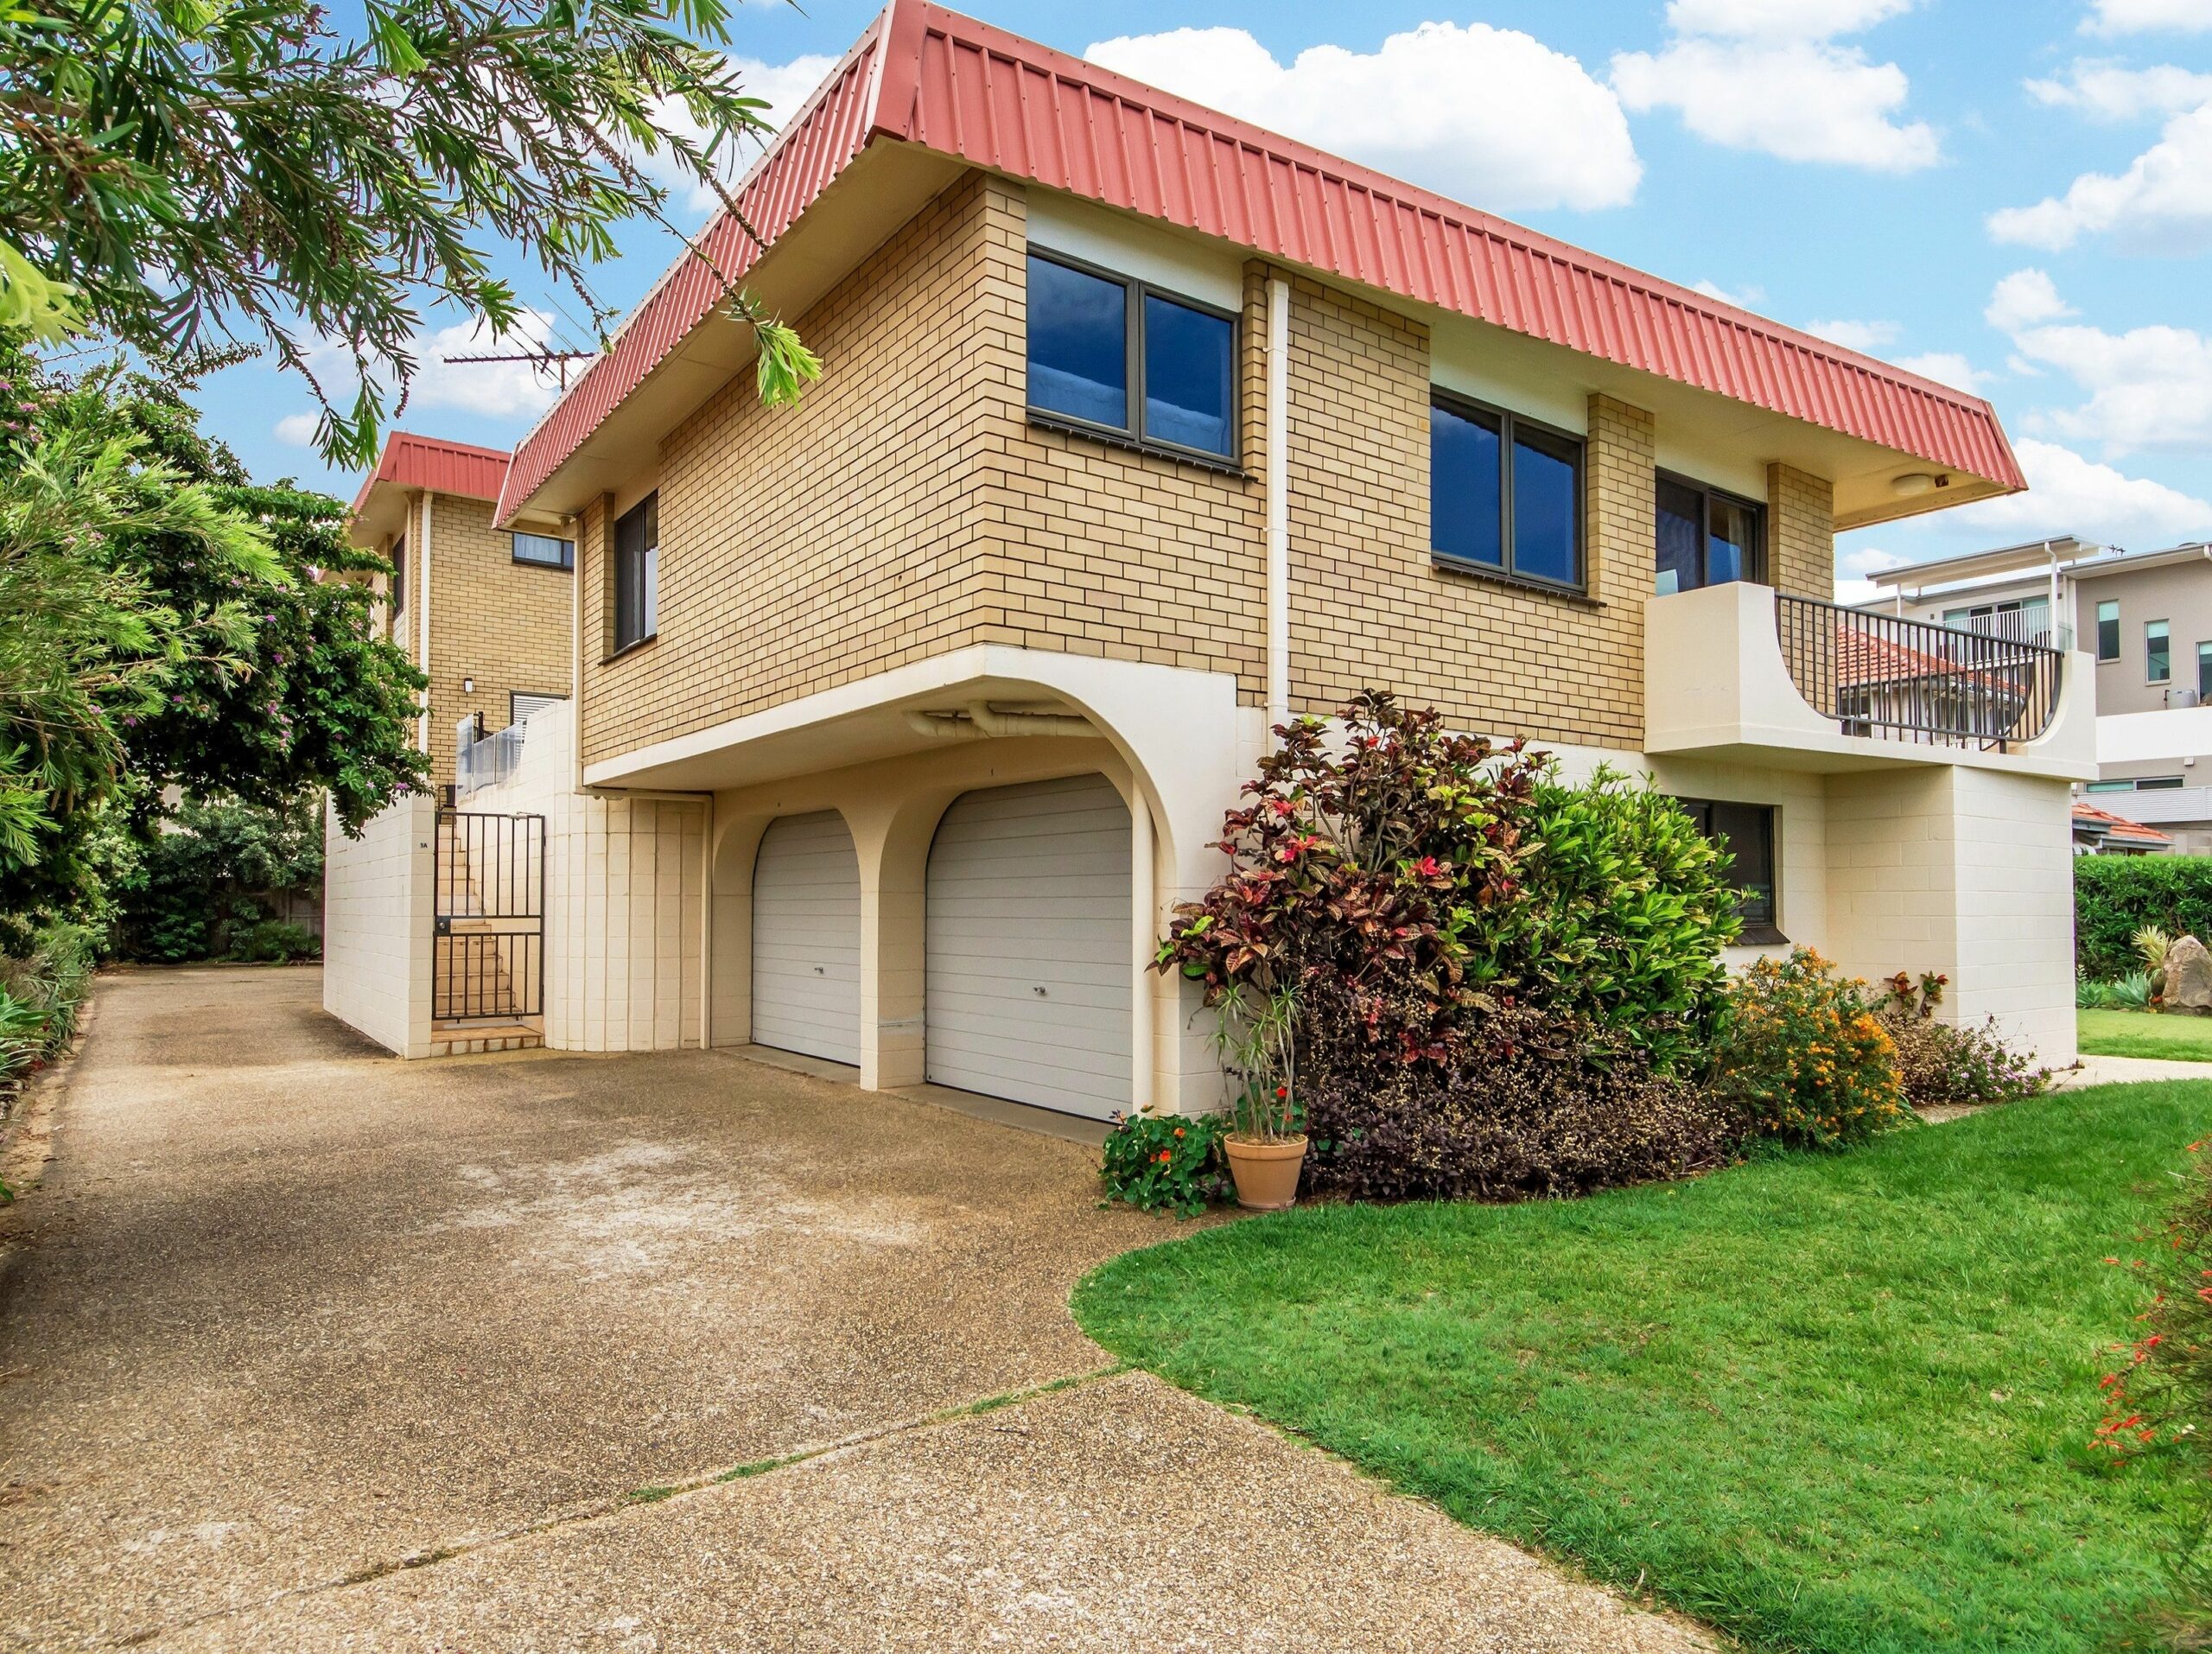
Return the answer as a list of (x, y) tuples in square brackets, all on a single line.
[(637, 572), (1746, 833), (2157, 658), (1079, 343), (1186, 375), (1731, 540), (2108, 631), (1680, 528), (398, 577), (1547, 477), (1466, 499)]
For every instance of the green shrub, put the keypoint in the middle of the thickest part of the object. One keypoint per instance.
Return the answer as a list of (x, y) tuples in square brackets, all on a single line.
[(1801, 1058), (1166, 1161), (198, 889), (1535, 1106), (2158, 1400), (1946, 1065), (2116, 896), (42, 990), (2131, 992), (275, 941)]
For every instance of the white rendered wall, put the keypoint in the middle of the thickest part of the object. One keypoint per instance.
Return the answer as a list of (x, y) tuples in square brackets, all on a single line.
[(624, 884), (376, 926)]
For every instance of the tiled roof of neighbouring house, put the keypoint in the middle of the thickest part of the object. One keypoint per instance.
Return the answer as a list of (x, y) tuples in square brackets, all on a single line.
[(924, 75), (2115, 829)]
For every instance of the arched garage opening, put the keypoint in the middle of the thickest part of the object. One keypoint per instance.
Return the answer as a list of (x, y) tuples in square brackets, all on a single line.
[(1027, 946), (806, 938)]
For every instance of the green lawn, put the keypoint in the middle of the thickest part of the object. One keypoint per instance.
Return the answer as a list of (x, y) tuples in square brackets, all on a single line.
[(1824, 1402), (2145, 1034)]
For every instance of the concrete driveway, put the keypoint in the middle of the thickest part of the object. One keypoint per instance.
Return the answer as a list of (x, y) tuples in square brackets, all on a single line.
[(304, 1347)]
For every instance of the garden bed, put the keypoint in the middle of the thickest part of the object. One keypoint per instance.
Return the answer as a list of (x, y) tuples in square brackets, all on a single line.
[(1824, 1403)]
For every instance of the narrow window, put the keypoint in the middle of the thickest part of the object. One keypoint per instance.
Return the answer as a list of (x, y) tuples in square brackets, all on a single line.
[(2112, 786), (1079, 343), (636, 573), (543, 551), (1706, 537), (1746, 833), (2157, 783), (1505, 495), (1109, 352), (399, 579), (2204, 674), (2109, 630), (2157, 653)]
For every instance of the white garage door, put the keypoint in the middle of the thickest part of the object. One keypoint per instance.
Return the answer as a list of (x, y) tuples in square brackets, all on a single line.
[(806, 938), (1028, 945)]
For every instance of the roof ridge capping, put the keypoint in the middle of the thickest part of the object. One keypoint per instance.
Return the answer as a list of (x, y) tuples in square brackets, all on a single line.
[(943, 80)]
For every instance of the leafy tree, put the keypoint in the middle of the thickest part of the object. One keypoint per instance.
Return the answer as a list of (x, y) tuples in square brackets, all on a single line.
[(188, 173), (194, 890), (162, 624)]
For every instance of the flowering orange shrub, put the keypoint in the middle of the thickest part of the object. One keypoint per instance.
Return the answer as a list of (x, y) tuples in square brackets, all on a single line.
[(1800, 1056)]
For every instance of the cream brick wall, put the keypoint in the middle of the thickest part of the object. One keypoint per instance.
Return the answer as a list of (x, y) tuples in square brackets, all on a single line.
[(909, 507), (377, 914), (624, 882), (501, 623)]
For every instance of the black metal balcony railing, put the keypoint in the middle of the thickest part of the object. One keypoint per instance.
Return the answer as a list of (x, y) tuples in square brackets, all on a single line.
[(1878, 674)]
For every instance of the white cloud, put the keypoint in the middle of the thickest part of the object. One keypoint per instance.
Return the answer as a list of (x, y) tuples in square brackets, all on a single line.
[(1946, 367), (1852, 567), (1745, 298), (496, 390), (2024, 299), (1800, 100), (2140, 16), (2102, 90), (1855, 335), (1796, 20), (1489, 115), (297, 430), (786, 86), (2162, 202), (2148, 387), (2068, 495)]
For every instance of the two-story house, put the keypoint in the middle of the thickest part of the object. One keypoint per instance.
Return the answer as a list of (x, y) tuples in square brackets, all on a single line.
[(904, 717), (485, 610), (2146, 619)]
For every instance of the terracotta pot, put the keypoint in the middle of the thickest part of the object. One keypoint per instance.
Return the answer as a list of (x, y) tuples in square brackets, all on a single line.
[(1265, 1173)]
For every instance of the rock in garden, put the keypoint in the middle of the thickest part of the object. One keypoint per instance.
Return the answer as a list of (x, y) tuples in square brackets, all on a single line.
[(2187, 971)]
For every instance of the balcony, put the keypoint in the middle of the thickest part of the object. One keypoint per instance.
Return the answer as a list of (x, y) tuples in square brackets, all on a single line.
[(1740, 673)]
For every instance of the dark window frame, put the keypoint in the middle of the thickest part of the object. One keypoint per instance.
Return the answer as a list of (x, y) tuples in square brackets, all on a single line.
[(2204, 671), (399, 592), (2151, 656), (1757, 574), (1508, 423), (635, 578), (2105, 659), (567, 558), (1135, 290), (1759, 930)]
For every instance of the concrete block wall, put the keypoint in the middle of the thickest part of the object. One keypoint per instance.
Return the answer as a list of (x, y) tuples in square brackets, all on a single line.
[(377, 918)]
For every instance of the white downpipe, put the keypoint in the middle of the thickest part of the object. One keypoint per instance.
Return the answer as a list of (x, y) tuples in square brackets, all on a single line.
[(1278, 502), (1142, 903), (576, 652), (422, 573), (707, 928)]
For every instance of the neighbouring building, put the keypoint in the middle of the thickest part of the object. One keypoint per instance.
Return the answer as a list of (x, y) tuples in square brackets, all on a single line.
[(2099, 832), (485, 607), (905, 716), (2145, 618)]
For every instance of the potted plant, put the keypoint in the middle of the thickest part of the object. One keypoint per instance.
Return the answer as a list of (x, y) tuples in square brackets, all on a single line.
[(1259, 1050)]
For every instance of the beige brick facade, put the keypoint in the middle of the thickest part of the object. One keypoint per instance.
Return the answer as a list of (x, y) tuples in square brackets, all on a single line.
[(909, 507), (497, 623)]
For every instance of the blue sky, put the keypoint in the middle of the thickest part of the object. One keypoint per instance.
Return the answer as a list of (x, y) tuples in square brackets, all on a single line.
[(2018, 195)]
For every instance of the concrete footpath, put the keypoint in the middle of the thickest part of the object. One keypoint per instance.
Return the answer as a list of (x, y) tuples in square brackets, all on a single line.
[(302, 1347)]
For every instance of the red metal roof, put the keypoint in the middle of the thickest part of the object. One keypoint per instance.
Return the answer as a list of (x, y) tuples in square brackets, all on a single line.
[(2106, 824), (443, 468), (924, 75)]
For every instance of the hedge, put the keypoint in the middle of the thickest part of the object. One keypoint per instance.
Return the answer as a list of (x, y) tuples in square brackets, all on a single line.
[(2115, 896)]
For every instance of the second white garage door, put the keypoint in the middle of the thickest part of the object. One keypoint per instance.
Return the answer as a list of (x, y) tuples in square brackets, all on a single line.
[(1028, 945), (806, 938)]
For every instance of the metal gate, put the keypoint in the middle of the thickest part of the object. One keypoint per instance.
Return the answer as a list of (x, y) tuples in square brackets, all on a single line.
[(488, 951)]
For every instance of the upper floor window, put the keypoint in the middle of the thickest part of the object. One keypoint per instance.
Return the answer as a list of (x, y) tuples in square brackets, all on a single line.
[(1108, 353), (398, 605), (1707, 537), (637, 572), (543, 551), (1746, 833), (2157, 653), (2204, 674), (2109, 630), (1505, 493)]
